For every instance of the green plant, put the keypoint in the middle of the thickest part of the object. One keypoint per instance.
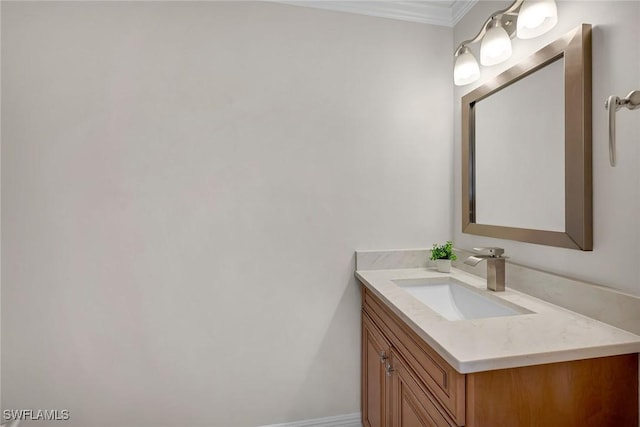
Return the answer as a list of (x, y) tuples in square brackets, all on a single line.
[(443, 251)]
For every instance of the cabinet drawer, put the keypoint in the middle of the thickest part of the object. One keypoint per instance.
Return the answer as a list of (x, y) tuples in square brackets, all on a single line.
[(443, 381)]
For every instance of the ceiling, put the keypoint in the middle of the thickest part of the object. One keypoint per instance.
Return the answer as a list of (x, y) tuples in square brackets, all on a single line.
[(437, 12)]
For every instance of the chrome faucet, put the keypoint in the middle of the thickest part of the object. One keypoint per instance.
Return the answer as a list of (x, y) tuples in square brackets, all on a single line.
[(495, 266)]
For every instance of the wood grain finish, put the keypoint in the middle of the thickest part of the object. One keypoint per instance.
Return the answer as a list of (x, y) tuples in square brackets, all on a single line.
[(412, 404), (593, 392), (374, 378)]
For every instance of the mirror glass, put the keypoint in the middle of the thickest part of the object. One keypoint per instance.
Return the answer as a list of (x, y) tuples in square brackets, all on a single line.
[(526, 149), (519, 174)]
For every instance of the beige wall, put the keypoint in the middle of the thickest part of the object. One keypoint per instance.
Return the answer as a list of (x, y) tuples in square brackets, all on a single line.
[(616, 191), (183, 189)]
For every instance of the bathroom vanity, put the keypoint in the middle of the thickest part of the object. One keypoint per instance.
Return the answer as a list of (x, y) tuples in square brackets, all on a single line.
[(531, 364)]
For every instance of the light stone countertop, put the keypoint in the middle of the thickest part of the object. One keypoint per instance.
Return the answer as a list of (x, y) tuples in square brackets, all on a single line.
[(550, 334)]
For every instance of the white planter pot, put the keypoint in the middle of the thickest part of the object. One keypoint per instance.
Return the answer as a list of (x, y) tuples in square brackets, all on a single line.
[(443, 265)]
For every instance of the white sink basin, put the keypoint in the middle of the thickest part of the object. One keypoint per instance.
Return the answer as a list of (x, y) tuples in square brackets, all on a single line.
[(455, 300)]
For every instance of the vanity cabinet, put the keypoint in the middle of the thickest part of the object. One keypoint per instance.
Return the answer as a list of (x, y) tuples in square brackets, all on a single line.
[(405, 383)]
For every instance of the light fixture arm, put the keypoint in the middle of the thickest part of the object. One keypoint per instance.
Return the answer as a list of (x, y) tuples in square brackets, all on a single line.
[(511, 10)]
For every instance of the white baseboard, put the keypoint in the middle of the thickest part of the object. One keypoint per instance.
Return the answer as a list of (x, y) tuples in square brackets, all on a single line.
[(347, 420)]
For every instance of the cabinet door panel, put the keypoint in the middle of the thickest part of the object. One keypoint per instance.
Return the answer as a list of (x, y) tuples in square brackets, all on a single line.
[(375, 351), (412, 404), (410, 415)]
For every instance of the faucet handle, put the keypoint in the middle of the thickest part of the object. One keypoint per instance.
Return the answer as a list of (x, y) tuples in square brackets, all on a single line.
[(494, 252)]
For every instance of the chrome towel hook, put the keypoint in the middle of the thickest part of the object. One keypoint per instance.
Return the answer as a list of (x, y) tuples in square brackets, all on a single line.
[(613, 104)]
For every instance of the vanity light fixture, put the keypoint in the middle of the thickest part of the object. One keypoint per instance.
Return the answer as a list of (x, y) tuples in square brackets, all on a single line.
[(496, 43), (466, 70), (525, 18), (536, 18)]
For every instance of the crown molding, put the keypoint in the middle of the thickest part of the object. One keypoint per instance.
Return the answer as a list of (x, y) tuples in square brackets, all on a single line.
[(460, 9), (445, 13)]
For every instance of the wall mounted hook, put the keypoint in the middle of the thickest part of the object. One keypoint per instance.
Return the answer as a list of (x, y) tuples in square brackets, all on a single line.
[(613, 104)]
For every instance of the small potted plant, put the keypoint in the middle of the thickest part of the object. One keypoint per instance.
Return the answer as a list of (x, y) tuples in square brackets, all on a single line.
[(443, 255)]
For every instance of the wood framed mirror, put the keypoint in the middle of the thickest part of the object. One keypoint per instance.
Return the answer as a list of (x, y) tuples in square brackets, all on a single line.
[(526, 149)]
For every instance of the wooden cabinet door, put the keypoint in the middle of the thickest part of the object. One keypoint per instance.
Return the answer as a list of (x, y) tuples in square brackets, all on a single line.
[(411, 403), (375, 354)]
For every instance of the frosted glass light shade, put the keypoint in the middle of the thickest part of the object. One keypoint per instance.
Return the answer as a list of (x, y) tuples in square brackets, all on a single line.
[(466, 69), (536, 17), (495, 47)]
